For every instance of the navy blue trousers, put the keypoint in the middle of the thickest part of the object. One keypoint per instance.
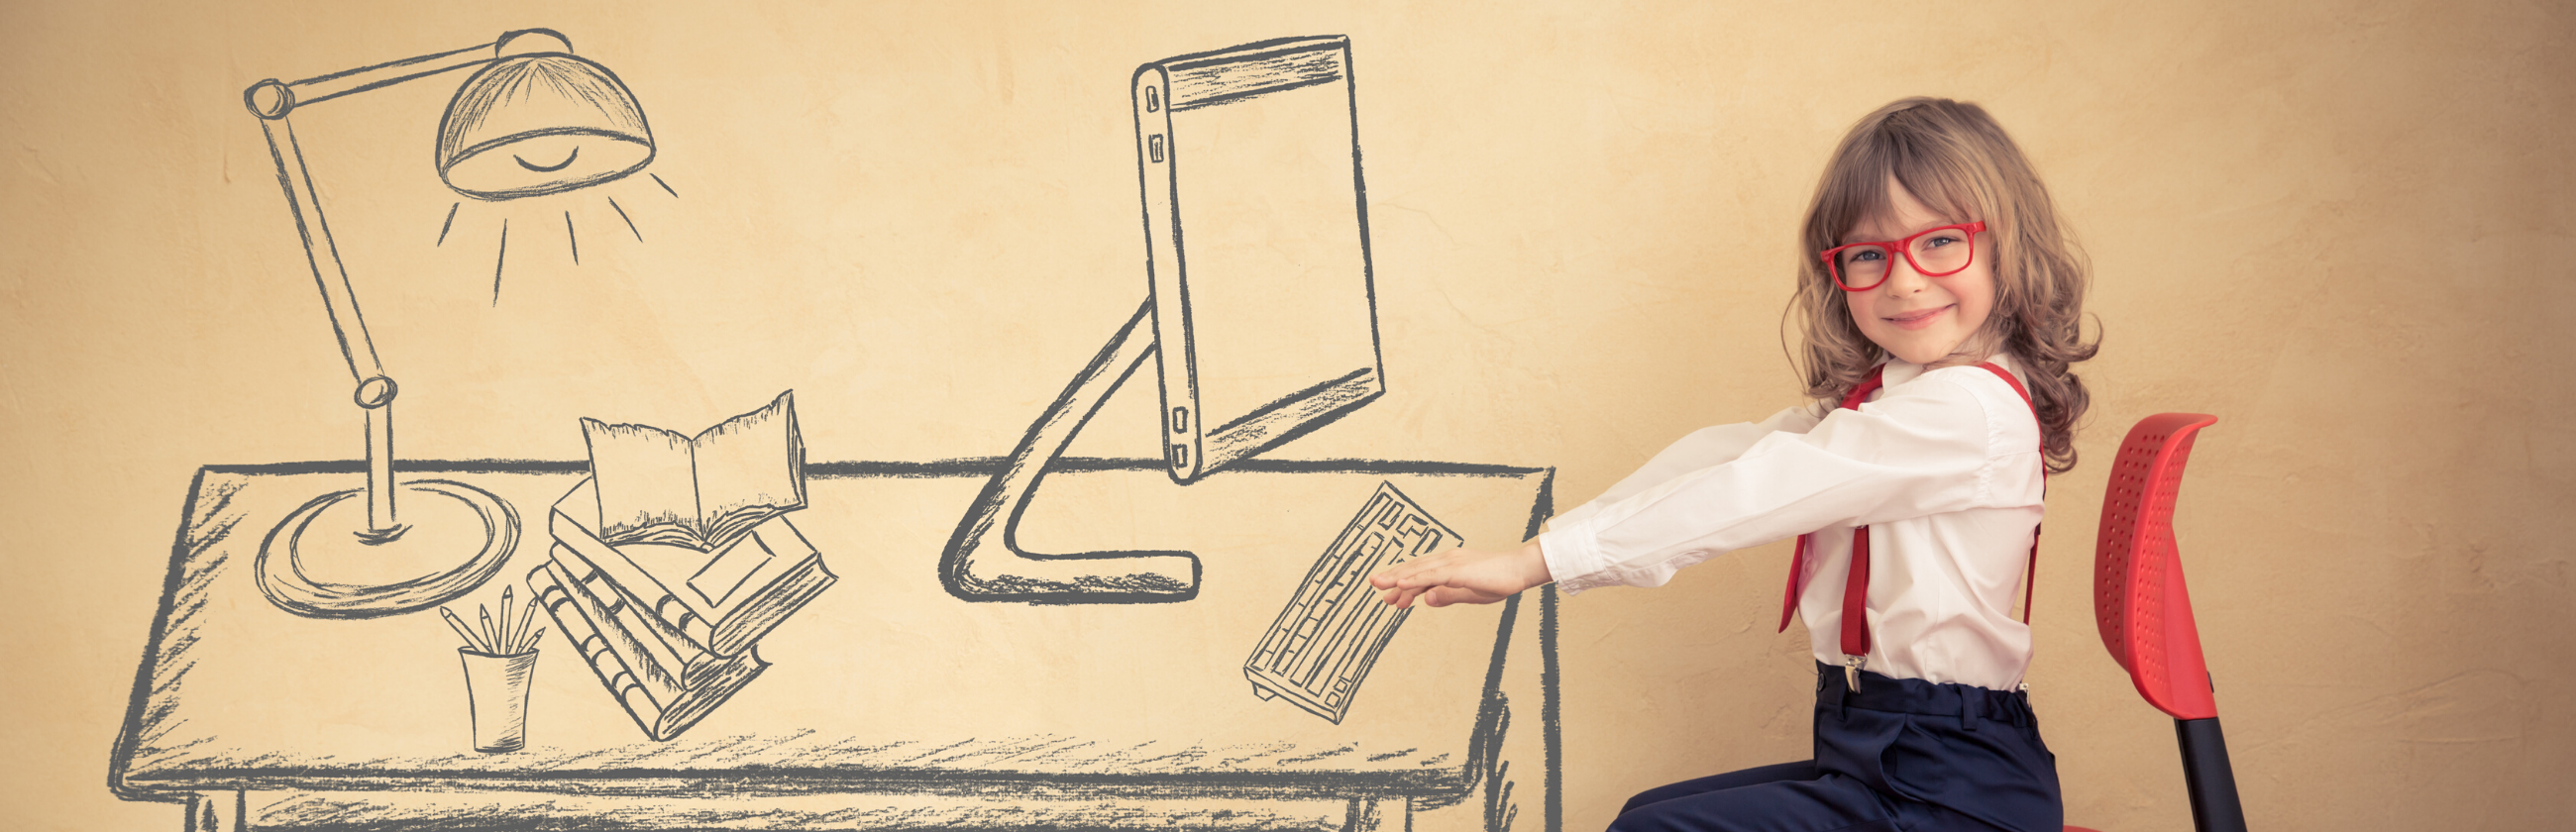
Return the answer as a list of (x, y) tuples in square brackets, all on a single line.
[(1897, 754)]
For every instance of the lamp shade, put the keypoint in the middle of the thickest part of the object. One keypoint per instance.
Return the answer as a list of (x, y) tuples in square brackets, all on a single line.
[(529, 125)]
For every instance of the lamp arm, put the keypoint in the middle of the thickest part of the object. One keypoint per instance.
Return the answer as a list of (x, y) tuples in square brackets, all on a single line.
[(322, 256), (274, 99), (973, 570), (375, 390)]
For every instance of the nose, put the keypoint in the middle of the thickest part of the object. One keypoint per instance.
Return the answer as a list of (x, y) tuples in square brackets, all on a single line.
[(1902, 279)]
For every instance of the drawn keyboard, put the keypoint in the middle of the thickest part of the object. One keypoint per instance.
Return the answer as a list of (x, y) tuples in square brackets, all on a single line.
[(1320, 650)]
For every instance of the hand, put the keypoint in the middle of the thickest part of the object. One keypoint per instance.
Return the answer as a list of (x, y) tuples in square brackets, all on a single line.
[(1462, 576)]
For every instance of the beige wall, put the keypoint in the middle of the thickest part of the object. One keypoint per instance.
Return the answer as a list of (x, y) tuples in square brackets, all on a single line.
[(2345, 230)]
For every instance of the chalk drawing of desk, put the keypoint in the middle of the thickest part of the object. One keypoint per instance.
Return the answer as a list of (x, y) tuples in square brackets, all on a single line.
[(888, 703)]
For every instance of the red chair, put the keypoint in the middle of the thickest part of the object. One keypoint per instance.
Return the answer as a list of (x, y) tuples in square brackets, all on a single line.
[(2145, 613)]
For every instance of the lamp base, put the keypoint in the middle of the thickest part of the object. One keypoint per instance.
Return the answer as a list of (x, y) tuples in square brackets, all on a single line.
[(324, 561)]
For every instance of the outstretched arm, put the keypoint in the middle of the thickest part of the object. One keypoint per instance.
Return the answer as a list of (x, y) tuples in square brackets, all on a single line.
[(1955, 439), (1472, 576)]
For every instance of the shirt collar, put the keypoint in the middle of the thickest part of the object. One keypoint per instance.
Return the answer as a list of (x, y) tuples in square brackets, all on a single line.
[(1900, 371)]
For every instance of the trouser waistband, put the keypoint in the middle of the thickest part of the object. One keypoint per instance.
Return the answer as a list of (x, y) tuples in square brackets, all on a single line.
[(1914, 696)]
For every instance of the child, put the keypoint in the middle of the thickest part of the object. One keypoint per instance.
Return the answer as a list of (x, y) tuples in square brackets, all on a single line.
[(1939, 298)]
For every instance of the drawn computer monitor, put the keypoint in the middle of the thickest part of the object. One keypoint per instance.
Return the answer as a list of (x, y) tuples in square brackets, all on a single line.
[(1257, 242), (1261, 314)]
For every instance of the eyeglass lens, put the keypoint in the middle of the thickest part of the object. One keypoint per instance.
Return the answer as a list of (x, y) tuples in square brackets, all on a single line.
[(1935, 254)]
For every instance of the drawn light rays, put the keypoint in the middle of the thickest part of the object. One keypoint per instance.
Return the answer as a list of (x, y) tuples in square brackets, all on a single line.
[(572, 235)]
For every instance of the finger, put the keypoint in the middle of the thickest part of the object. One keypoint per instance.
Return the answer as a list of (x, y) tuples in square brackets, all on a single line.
[(1421, 574), (1441, 575), (1394, 574)]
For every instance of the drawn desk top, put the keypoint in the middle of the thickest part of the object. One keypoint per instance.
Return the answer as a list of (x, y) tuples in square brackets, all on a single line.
[(885, 682)]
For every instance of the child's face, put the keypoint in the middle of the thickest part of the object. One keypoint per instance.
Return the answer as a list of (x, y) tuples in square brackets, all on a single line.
[(1916, 318)]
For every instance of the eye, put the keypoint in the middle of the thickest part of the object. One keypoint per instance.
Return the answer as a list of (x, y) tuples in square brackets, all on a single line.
[(1942, 239), (1864, 254)]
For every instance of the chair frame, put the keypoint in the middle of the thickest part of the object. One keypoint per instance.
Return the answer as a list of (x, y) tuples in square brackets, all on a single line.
[(2143, 609)]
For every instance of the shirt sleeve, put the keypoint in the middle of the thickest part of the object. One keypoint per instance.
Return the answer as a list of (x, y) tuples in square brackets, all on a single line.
[(1715, 445), (1923, 448)]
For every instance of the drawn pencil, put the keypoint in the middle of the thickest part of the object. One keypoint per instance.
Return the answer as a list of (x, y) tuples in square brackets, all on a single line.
[(492, 637), (504, 642), (458, 624), (527, 616)]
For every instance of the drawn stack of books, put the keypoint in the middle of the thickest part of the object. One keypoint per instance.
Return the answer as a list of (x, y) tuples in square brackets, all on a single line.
[(676, 556)]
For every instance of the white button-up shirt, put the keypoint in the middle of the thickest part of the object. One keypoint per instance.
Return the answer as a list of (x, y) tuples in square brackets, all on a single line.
[(1942, 466)]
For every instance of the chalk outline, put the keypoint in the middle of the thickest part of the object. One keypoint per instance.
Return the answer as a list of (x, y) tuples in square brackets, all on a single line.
[(1221, 77), (1484, 767)]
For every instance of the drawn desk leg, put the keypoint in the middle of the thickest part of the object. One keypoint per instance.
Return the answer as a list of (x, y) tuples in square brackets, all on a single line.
[(217, 812), (1376, 814)]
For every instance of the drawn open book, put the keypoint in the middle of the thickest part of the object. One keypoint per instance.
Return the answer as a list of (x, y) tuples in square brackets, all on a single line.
[(703, 492)]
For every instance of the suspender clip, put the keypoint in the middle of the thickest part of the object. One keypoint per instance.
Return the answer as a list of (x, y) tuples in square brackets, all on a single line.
[(1851, 671)]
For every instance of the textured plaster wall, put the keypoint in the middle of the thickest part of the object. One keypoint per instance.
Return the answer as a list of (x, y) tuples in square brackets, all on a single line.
[(2343, 228)]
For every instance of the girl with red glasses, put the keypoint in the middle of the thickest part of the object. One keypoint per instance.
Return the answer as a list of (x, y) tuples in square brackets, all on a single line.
[(1939, 302)]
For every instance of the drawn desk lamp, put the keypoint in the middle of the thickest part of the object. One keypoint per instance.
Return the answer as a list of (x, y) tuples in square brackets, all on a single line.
[(531, 120), (1262, 310)]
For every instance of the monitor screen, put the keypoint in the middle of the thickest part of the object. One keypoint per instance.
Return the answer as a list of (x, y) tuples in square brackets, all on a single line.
[(1257, 228)]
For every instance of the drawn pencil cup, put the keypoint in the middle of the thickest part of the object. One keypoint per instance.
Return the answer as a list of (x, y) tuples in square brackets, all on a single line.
[(496, 695)]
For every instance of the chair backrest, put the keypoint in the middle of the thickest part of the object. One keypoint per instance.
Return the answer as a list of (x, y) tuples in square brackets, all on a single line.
[(2138, 596)]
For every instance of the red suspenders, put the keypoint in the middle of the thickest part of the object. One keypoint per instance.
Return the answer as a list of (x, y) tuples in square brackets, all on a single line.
[(1855, 635)]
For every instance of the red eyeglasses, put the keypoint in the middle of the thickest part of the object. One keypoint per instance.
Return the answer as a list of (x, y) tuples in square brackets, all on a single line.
[(1933, 252)]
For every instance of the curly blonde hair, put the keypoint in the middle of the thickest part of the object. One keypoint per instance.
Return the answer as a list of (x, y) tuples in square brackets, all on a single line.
[(1956, 159)]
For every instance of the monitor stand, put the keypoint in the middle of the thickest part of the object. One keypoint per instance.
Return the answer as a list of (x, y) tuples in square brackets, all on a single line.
[(974, 570)]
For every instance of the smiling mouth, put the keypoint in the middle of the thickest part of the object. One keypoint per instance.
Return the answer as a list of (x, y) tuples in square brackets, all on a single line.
[(1913, 320)]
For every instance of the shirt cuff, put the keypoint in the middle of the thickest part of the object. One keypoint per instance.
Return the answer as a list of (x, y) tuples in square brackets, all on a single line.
[(1573, 556)]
